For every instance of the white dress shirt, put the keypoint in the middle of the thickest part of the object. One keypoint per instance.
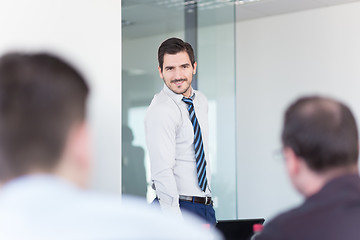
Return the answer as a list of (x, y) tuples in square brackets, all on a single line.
[(45, 207), (170, 141)]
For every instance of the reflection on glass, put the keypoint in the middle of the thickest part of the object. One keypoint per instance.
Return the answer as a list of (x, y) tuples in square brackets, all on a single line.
[(145, 25), (133, 167), (136, 117)]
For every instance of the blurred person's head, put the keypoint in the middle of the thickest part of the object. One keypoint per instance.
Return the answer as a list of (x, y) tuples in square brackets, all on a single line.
[(177, 65), (320, 141), (127, 134), (42, 118)]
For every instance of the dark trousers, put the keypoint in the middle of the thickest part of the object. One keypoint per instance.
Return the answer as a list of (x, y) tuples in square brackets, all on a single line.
[(205, 212)]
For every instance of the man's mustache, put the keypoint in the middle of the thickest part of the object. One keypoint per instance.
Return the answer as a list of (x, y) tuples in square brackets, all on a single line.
[(178, 80)]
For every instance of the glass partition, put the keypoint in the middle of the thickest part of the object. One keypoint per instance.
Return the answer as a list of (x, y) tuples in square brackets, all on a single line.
[(145, 25), (216, 79)]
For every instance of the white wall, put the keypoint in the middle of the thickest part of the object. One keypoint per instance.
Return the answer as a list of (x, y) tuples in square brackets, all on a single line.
[(87, 33), (279, 59)]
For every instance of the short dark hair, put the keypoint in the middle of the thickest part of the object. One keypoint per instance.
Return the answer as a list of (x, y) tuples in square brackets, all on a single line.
[(322, 131), (41, 97), (174, 46)]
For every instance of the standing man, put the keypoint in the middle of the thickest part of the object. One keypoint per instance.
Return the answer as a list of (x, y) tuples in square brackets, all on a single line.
[(176, 126), (321, 147)]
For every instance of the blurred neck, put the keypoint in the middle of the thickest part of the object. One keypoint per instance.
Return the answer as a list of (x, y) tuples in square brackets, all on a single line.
[(313, 182)]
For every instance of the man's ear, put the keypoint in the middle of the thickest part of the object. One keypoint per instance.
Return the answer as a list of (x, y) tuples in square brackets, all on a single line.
[(79, 154), (195, 66), (292, 161), (81, 148), (75, 162), (160, 72)]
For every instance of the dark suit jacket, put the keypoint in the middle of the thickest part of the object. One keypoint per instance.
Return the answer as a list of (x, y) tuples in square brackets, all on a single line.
[(331, 214)]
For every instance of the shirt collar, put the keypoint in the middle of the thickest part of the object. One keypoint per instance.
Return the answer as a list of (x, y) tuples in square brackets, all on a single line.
[(177, 97), (37, 181)]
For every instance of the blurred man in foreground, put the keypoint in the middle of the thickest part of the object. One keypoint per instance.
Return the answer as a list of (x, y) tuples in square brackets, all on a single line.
[(45, 162), (320, 145)]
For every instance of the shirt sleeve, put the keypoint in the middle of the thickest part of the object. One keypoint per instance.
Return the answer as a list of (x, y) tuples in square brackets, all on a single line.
[(160, 129)]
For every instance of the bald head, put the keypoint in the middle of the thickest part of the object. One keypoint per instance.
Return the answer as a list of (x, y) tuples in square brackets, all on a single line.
[(322, 131)]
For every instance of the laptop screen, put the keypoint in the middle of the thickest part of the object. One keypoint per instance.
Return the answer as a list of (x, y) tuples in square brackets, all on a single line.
[(240, 229)]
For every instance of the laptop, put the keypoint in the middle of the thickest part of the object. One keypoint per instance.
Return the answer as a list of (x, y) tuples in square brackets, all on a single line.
[(240, 229)]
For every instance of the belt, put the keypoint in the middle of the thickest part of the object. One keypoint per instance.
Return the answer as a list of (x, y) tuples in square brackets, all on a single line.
[(202, 200)]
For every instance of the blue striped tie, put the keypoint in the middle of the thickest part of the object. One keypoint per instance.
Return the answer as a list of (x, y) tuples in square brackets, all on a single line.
[(198, 144)]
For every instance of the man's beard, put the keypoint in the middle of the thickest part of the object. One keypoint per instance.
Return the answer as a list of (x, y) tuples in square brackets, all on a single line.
[(178, 80)]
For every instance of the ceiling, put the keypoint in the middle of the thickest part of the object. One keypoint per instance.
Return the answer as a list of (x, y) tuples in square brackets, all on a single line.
[(143, 18)]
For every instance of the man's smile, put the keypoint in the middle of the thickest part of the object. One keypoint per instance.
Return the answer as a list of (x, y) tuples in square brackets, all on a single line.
[(178, 82)]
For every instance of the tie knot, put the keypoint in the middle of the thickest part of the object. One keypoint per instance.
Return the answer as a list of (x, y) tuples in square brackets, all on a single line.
[(188, 101)]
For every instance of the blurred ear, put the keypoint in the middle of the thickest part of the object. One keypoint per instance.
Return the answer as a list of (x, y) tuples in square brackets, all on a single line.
[(82, 145), (292, 162), (77, 160)]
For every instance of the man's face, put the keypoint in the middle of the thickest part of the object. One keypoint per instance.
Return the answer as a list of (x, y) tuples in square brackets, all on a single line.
[(177, 73)]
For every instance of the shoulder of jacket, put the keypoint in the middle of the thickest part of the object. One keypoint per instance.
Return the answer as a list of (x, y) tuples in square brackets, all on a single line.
[(288, 217)]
